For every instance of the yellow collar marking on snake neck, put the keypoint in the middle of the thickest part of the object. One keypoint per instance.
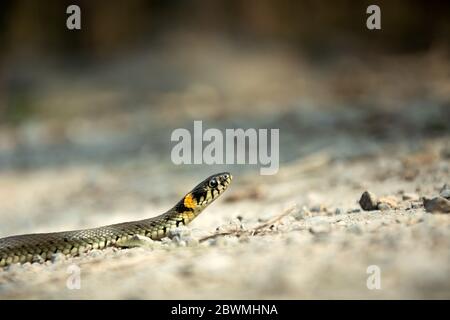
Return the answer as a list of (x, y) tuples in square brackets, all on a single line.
[(189, 201)]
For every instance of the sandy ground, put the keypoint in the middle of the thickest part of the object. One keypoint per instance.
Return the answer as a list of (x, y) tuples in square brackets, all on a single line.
[(320, 249), (298, 234)]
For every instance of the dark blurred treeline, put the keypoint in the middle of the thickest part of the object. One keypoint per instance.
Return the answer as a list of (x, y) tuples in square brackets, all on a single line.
[(31, 27)]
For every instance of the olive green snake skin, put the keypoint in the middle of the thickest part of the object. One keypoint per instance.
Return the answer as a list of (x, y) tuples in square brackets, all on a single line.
[(40, 247)]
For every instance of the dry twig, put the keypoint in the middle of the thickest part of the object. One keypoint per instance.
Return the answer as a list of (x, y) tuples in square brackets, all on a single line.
[(256, 230)]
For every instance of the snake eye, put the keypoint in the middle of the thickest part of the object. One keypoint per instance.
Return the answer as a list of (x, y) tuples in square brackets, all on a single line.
[(212, 183)]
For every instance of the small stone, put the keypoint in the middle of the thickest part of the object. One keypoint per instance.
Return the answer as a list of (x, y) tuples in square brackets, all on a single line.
[(368, 201), (179, 232), (182, 237), (445, 192), (300, 213), (354, 210), (437, 205), (338, 211), (318, 208)]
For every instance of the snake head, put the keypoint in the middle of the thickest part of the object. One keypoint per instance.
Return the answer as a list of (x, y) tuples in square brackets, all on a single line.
[(206, 191)]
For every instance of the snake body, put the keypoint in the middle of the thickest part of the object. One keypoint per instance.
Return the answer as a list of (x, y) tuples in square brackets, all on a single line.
[(40, 247)]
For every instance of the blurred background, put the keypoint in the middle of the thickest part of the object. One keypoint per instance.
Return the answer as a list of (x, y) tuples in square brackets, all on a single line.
[(108, 96), (168, 58), (86, 116), (98, 94)]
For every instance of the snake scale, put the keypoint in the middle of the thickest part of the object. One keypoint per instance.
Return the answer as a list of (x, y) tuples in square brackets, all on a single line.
[(40, 247)]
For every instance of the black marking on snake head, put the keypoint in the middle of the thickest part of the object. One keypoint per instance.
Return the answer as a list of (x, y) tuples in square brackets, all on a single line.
[(210, 188)]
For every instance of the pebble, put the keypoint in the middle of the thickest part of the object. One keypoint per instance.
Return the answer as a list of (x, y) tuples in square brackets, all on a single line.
[(179, 232), (300, 213), (318, 208), (185, 241), (354, 210), (437, 205), (182, 237), (445, 192), (368, 201)]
